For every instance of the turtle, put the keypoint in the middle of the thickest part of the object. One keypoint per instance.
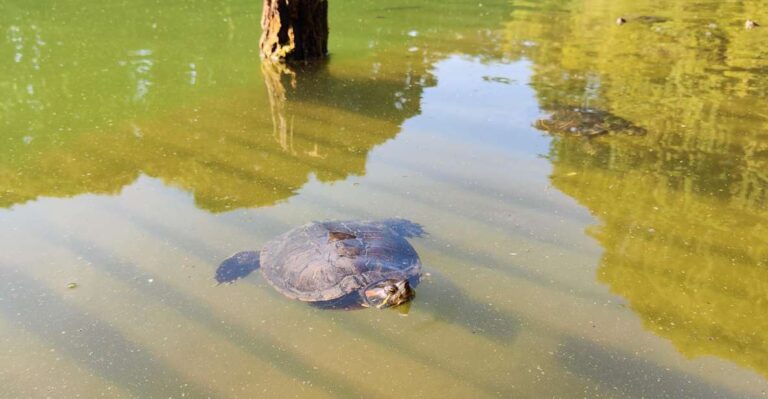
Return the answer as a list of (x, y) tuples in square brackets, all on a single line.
[(586, 122), (337, 264)]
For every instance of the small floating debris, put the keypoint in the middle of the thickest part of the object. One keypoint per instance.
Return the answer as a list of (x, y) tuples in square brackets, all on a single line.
[(72, 285), (498, 79), (750, 24), (646, 19), (651, 19)]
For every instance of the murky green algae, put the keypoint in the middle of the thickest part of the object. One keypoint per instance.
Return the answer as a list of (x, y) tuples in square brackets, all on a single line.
[(133, 165)]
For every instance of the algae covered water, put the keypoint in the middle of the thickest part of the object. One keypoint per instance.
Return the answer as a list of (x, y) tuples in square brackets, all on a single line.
[(142, 143)]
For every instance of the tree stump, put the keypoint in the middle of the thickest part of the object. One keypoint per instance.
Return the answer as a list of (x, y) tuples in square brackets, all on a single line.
[(294, 29)]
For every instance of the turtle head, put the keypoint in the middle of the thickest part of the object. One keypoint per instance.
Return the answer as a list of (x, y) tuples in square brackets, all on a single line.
[(388, 293)]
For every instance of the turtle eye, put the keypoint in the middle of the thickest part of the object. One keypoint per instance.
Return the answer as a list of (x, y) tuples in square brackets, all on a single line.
[(391, 289)]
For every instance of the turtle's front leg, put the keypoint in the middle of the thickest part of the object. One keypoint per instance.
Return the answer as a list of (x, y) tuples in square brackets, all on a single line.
[(237, 266)]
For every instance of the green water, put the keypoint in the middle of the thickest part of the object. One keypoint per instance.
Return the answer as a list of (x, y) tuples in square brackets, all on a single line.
[(143, 142)]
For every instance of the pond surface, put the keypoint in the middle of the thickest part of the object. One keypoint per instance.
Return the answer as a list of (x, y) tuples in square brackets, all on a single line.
[(143, 142)]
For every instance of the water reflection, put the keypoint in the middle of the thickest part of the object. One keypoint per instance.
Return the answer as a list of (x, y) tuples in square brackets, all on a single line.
[(683, 210), (231, 151), (140, 65), (198, 117), (512, 307)]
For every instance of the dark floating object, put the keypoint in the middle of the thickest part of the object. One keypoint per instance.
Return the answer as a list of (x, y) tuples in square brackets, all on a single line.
[(337, 264), (498, 79), (646, 19), (750, 24), (651, 19), (586, 122)]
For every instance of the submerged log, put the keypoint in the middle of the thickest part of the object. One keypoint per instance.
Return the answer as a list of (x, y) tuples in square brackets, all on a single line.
[(294, 29)]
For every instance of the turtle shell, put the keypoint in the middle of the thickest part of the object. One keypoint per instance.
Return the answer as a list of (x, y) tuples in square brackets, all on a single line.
[(323, 261), (586, 122)]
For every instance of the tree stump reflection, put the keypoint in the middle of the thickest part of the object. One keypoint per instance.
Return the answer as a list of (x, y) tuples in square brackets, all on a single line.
[(274, 73)]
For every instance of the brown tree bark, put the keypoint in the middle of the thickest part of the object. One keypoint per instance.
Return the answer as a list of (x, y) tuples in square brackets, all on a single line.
[(294, 29)]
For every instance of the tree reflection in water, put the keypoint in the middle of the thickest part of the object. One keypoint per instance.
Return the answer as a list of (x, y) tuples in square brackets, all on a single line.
[(682, 210), (193, 116)]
